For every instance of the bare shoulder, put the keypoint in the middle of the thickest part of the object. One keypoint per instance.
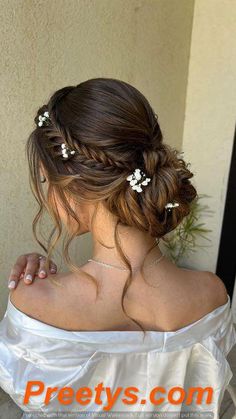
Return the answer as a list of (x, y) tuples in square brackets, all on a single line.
[(31, 299), (59, 300), (214, 290)]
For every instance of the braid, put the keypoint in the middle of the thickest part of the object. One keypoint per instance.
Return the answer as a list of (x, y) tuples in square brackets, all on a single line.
[(89, 156)]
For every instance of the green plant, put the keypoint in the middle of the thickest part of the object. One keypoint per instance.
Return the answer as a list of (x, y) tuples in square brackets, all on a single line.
[(182, 241)]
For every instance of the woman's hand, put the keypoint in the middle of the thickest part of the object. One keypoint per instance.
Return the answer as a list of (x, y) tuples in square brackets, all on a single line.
[(27, 266)]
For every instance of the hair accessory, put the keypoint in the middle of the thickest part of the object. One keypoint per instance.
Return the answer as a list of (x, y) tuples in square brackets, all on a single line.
[(171, 205), (135, 177), (44, 119), (66, 151)]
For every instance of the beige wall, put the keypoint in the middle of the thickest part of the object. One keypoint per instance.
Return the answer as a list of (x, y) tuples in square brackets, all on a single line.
[(210, 113), (47, 45)]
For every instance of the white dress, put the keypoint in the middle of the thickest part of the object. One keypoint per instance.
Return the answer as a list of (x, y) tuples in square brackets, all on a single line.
[(193, 356)]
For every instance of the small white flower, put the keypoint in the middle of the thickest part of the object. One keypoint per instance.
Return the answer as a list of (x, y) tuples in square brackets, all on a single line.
[(65, 150), (137, 188), (172, 205), (138, 176), (135, 177), (43, 118)]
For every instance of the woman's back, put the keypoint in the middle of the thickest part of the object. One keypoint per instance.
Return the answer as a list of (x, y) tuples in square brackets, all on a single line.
[(175, 371), (176, 298)]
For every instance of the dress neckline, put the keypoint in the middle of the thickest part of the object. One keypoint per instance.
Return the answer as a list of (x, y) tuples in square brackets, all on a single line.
[(17, 313)]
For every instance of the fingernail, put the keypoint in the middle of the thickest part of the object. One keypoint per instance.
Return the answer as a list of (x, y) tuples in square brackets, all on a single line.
[(42, 273), (11, 284), (53, 270), (29, 277)]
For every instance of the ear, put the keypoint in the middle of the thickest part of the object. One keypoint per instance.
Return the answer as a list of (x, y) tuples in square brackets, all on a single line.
[(42, 171)]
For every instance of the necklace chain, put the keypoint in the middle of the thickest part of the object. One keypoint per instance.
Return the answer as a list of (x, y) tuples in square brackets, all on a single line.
[(107, 265)]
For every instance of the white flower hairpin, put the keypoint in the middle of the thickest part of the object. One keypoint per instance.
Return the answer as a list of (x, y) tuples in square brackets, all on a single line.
[(66, 151), (138, 175), (135, 177), (171, 205), (43, 118)]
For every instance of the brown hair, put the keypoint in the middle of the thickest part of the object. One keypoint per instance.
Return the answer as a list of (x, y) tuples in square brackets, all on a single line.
[(114, 130)]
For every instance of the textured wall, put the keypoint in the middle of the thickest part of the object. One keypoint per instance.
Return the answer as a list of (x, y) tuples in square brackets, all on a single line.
[(49, 44), (210, 113)]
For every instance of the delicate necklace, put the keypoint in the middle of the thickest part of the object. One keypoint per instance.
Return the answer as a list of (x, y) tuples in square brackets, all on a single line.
[(123, 269)]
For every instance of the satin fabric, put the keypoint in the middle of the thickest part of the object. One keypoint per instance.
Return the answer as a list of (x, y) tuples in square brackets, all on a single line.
[(193, 356)]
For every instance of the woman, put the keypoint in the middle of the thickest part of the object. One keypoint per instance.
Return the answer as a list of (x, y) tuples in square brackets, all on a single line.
[(128, 317)]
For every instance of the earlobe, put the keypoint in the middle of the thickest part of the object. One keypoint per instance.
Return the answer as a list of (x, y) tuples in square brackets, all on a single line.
[(43, 179), (42, 174)]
